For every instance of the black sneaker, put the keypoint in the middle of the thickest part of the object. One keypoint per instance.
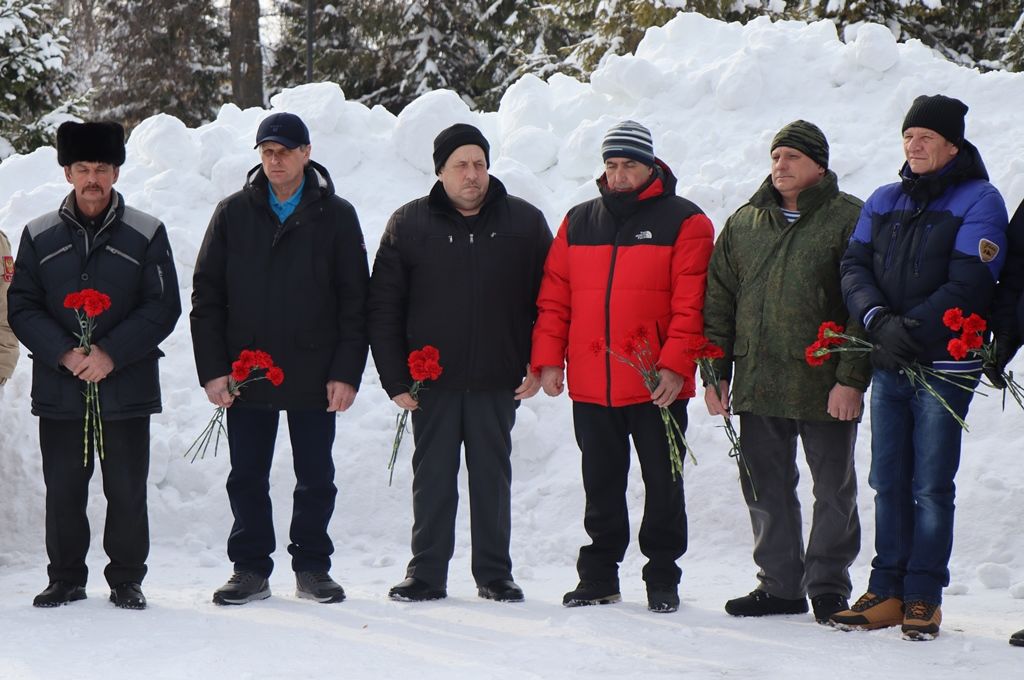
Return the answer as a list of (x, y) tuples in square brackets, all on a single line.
[(128, 596), (501, 590), (242, 587), (318, 586), (58, 593), (416, 590), (827, 604), (760, 603), (1017, 639), (592, 592), (662, 598)]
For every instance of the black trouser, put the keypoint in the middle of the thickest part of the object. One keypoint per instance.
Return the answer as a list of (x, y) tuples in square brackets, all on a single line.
[(769, 447), (444, 422), (251, 436), (603, 436), (125, 467)]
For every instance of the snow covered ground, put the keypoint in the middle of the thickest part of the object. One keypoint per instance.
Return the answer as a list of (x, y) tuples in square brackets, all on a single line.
[(714, 95)]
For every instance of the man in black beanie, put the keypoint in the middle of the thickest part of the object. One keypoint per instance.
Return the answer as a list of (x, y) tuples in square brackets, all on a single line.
[(94, 241), (459, 269), (933, 242)]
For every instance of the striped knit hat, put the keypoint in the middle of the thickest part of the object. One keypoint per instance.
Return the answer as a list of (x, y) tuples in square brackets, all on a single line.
[(806, 138), (629, 139)]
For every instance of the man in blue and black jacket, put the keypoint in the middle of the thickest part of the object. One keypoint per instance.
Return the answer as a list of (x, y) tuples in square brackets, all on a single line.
[(936, 240)]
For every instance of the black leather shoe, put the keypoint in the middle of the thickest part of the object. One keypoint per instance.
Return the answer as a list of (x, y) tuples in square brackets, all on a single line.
[(662, 598), (415, 590), (242, 587), (128, 596), (592, 592), (318, 586), (760, 603), (501, 590), (1017, 639), (827, 604), (58, 593)]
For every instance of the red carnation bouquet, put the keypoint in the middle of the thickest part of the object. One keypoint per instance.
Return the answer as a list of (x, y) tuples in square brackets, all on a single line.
[(703, 352), (423, 366), (832, 338), (87, 304), (971, 342), (251, 365), (636, 353)]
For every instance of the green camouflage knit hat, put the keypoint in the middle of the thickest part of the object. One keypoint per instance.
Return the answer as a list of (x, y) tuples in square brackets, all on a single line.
[(806, 138)]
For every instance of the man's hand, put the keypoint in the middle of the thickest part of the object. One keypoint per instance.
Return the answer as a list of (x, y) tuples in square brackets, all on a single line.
[(552, 379), (716, 406), (339, 395), (670, 384), (72, 358), (405, 400), (94, 366), (217, 392), (530, 386), (844, 402)]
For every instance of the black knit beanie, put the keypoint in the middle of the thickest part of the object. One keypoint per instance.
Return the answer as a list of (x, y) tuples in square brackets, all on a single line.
[(806, 138), (98, 142), (453, 137), (942, 114)]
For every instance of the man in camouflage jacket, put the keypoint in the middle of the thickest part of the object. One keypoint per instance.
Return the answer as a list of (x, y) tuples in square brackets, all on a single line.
[(773, 279)]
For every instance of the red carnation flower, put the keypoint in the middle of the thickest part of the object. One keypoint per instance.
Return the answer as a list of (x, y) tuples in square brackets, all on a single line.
[(974, 324), (972, 340), (953, 318), (713, 351), (239, 371), (816, 354), (95, 302), (73, 300), (829, 334), (957, 348), (275, 375)]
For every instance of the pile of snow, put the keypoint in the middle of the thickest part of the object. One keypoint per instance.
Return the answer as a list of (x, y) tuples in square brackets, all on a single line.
[(714, 94)]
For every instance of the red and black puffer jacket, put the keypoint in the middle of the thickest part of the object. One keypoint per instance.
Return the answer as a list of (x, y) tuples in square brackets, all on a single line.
[(621, 262)]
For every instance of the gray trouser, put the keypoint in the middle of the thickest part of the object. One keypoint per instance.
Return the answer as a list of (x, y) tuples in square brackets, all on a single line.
[(444, 422), (769, 446)]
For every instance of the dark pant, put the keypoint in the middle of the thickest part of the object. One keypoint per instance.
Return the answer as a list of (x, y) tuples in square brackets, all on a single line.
[(915, 453), (603, 436), (251, 435), (444, 422), (769, 446), (125, 467)]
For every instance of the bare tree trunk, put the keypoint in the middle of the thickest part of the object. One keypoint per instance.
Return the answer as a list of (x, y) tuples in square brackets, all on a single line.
[(245, 53)]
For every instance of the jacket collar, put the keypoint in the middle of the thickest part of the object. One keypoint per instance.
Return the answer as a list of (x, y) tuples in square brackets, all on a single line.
[(967, 165), (114, 211), (318, 182), (625, 204), (439, 201)]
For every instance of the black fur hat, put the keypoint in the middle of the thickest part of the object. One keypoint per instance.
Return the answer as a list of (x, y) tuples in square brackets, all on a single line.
[(96, 142)]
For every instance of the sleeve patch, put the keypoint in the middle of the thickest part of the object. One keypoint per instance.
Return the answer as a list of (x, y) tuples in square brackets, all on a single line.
[(987, 250), (8, 268)]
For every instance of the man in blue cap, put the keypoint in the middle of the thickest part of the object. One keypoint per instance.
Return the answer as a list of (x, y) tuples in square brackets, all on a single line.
[(282, 269)]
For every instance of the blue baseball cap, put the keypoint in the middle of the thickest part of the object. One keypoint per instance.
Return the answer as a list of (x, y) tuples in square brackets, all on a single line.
[(286, 129)]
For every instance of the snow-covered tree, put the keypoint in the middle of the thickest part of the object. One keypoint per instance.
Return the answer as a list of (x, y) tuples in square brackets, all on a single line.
[(34, 89), (160, 56)]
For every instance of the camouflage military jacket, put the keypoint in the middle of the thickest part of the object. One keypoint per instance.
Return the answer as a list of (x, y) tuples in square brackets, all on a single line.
[(770, 285)]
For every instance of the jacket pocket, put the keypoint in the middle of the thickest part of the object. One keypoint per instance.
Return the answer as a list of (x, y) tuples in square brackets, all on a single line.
[(741, 347)]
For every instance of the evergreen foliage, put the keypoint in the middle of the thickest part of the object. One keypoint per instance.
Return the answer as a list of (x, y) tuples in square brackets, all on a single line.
[(34, 87), (157, 56)]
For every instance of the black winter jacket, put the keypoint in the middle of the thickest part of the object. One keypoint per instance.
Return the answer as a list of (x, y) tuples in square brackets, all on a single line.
[(296, 290), (129, 259), (471, 294), (925, 245), (1007, 320)]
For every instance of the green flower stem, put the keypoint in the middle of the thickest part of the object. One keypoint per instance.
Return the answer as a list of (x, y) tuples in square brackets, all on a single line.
[(401, 420)]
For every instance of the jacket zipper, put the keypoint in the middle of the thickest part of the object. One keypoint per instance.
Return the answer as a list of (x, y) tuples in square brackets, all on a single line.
[(608, 318), (920, 250), (891, 252), (115, 251), (62, 249)]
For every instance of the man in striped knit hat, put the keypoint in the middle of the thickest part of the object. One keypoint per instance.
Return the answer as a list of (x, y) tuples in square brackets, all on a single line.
[(630, 263), (773, 278)]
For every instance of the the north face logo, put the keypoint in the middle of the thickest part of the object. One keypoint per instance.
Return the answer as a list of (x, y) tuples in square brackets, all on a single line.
[(644, 235)]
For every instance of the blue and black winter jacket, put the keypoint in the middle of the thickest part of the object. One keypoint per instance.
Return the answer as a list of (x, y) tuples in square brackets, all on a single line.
[(926, 244)]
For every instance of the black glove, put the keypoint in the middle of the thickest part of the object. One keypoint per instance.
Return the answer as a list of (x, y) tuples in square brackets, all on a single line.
[(1005, 346), (994, 375), (890, 332), (883, 359)]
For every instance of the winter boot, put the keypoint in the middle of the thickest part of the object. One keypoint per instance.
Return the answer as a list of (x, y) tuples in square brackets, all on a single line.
[(870, 612), (921, 620), (592, 592), (318, 586), (1017, 639), (58, 593), (242, 587), (760, 603), (662, 598), (827, 604), (501, 590), (416, 590), (128, 596)]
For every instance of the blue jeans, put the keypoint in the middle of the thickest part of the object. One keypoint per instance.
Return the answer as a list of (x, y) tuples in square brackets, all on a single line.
[(915, 453)]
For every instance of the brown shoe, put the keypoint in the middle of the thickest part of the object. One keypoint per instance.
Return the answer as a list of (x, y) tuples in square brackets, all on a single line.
[(870, 612), (922, 620)]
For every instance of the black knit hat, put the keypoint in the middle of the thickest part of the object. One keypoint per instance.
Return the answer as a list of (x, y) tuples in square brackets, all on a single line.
[(806, 138), (942, 114), (451, 138), (629, 139), (95, 142)]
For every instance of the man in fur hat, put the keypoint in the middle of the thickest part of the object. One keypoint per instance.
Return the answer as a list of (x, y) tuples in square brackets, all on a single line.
[(93, 240)]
